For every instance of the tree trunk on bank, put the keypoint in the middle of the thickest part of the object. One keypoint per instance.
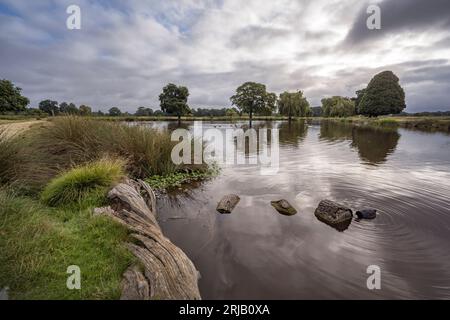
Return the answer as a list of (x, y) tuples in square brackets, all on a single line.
[(251, 117), (165, 271)]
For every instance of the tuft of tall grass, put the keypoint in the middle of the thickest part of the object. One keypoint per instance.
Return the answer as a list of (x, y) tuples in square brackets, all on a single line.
[(75, 140), (9, 159), (85, 185)]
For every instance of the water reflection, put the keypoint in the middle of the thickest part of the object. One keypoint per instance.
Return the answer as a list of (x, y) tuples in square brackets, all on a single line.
[(256, 253), (373, 144)]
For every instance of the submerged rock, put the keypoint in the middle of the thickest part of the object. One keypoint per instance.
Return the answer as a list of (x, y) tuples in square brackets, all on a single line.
[(284, 207), (334, 214), (366, 214), (228, 203)]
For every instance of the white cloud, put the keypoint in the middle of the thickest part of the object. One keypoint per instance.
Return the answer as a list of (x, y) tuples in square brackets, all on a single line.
[(127, 51)]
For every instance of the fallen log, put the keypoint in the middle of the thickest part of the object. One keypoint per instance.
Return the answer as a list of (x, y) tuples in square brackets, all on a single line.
[(166, 272)]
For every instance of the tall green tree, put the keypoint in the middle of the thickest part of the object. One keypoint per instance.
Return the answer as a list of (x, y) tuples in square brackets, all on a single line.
[(359, 95), (11, 99), (115, 112), (252, 97), (49, 106), (338, 107), (173, 100), (293, 104), (383, 95)]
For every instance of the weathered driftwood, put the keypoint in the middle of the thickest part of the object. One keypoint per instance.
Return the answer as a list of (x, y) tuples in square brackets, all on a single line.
[(334, 214), (366, 214), (166, 272), (228, 203), (284, 207)]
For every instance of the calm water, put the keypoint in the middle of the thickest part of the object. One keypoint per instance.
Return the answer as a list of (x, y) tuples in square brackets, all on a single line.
[(256, 253)]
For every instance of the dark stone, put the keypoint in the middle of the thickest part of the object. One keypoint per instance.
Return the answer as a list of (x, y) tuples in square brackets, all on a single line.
[(228, 203), (284, 207), (366, 214), (334, 215)]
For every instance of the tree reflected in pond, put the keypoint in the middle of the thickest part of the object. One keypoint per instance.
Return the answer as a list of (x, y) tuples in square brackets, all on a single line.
[(373, 144), (291, 133)]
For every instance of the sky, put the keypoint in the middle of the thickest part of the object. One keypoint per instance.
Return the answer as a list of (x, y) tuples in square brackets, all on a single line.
[(127, 51)]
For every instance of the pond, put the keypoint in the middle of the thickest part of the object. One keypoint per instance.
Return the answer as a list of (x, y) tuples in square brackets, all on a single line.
[(256, 253)]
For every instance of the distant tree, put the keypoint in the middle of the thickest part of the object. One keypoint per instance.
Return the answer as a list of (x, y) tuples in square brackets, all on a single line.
[(49, 106), (115, 112), (85, 110), (338, 107), (293, 104), (316, 111), (11, 99), (359, 95), (173, 100), (231, 112), (66, 108), (158, 113), (252, 97), (143, 111), (383, 95)]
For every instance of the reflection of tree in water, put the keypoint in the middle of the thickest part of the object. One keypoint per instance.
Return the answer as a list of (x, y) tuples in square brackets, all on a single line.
[(290, 133), (374, 145), (173, 125), (333, 131)]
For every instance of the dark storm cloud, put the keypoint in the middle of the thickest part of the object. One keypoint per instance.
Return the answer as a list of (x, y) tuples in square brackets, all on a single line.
[(402, 15)]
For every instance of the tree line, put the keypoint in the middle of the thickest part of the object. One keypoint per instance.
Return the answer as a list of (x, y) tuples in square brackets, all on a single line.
[(382, 96)]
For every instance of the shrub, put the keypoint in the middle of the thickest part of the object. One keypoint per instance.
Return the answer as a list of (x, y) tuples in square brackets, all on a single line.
[(84, 185)]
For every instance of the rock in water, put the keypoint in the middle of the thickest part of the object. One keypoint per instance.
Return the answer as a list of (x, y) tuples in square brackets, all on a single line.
[(284, 207), (334, 214), (366, 214), (228, 203)]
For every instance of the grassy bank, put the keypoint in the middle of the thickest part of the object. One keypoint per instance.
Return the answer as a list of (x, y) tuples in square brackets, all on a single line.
[(441, 124), (51, 178)]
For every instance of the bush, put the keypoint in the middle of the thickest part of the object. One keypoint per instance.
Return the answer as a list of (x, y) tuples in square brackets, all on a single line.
[(85, 185)]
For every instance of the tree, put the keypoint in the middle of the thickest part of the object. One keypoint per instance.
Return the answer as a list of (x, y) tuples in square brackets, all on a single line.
[(115, 112), (293, 104), (143, 111), (359, 95), (252, 97), (173, 100), (66, 108), (85, 110), (338, 107), (49, 106), (11, 99), (231, 112), (383, 95)]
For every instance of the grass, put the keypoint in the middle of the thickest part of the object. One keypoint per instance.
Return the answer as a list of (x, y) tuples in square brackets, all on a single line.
[(177, 179), (85, 185), (79, 140), (38, 243), (9, 150), (57, 173)]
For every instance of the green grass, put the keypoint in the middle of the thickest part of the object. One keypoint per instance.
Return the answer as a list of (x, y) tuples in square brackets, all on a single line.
[(9, 149), (85, 185), (177, 179), (38, 243)]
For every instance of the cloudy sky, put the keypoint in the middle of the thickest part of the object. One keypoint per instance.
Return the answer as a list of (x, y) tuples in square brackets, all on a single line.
[(127, 51)]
